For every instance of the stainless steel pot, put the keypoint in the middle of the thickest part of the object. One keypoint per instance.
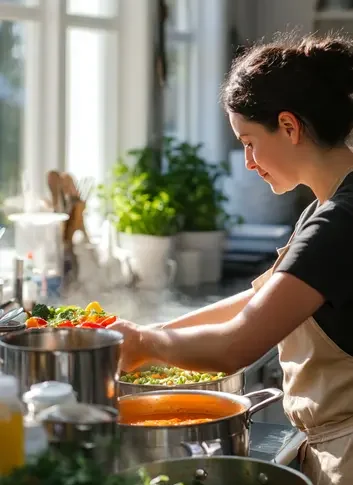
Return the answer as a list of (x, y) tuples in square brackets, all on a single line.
[(96, 439), (219, 471), (88, 359), (228, 435), (234, 384)]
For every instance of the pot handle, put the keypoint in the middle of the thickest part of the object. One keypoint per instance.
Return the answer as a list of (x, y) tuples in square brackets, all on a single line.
[(275, 395), (196, 449)]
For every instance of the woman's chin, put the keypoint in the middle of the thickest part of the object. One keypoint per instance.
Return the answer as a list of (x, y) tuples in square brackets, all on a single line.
[(276, 188)]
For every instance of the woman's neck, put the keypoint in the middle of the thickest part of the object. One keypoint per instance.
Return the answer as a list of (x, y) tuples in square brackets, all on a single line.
[(328, 171)]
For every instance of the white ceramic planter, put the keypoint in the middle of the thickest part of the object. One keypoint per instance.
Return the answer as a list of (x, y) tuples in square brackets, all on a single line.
[(150, 259), (210, 244), (189, 264)]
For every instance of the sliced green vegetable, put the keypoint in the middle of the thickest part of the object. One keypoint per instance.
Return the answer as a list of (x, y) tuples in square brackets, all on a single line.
[(169, 376)]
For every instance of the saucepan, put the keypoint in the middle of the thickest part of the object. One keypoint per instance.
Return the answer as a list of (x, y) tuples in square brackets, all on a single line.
[(215, 471), (194, 423)]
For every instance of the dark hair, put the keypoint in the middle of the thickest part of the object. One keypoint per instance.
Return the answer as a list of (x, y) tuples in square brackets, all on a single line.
[(311, 77)]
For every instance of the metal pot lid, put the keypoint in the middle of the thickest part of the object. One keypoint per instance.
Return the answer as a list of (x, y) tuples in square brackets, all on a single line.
[(77, 413)]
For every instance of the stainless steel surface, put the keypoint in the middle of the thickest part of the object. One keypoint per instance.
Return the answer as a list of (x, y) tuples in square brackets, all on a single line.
[(270, 442), (290, 450), (98, 441), (233, 384), (88, 359), (225, 436), (222, 471)]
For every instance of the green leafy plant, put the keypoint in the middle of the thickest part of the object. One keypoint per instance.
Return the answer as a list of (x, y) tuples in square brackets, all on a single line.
[(196, 185), (138, 197)]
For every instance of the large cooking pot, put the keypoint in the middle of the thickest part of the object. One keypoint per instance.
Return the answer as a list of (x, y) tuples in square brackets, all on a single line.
[(217, 471), (88, 359), (226, 434), (233, 383)]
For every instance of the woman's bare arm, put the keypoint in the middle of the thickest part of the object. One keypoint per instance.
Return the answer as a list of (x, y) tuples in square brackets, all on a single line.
[(281, 305), (218, 312)]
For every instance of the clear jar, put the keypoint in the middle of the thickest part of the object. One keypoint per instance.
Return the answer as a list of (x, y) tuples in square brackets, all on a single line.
[(40, 397), (11, 426)]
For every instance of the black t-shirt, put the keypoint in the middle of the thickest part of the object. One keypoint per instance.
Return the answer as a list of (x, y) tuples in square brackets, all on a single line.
[(321, 255)]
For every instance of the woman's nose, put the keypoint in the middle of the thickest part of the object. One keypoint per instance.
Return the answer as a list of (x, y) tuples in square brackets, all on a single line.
[(250, 163)]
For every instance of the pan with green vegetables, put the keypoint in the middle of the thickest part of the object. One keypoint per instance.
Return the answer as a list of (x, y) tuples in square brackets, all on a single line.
[(159, 377)]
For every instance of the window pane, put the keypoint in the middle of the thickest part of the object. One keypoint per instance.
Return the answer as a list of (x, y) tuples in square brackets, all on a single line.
[(12, 68), (176, 100), (93, 8), (180, 15), (91, 102)]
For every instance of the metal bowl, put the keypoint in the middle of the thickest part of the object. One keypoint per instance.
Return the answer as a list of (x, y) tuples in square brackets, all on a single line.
[(219, 471), (233, 384)]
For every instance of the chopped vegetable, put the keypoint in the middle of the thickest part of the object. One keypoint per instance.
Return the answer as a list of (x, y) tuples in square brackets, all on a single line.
[(169, 376), (42, 311), (34, 322), (93, 316), (94, 306), (90, 325)]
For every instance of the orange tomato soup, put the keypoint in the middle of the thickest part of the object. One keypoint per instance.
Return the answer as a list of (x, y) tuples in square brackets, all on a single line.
[(167, 420)]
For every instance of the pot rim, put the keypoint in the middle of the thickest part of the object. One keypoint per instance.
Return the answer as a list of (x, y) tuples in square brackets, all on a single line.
[(222, 458), (245, 401), (195, 385), (5, 341)]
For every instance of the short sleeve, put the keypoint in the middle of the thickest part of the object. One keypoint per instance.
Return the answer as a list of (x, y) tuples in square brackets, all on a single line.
[(321, 253)]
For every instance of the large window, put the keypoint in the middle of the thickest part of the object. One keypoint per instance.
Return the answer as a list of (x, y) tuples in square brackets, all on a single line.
[(58, 94)]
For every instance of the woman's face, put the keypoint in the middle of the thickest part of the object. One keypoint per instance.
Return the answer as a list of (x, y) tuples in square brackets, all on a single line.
[(274, 155)]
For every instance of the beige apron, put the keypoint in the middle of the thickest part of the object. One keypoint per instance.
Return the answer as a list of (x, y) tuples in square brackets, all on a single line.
[(318, 397)]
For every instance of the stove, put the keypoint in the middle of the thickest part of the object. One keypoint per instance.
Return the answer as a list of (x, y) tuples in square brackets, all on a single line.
[(278, 443)]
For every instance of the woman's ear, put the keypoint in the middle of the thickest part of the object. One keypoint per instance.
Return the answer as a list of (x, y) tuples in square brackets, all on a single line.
[(290, 126)]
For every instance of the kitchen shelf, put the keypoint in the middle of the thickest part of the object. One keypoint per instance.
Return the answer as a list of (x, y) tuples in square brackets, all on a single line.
[(336, 14)]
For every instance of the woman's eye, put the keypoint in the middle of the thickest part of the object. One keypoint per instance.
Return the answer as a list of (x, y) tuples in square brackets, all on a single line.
[(248, 145)]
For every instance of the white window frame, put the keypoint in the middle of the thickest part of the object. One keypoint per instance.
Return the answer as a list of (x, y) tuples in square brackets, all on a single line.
[(44, 144)]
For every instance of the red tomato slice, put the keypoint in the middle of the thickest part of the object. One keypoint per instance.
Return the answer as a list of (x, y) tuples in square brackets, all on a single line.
[(108, 321), (35, 322), (66, 324), (89, 325)]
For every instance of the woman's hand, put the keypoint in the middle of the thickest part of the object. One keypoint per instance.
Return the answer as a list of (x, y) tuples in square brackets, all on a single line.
[(134, 353)]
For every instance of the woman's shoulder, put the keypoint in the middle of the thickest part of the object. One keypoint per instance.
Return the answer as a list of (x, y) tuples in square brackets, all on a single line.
[(339, 208)]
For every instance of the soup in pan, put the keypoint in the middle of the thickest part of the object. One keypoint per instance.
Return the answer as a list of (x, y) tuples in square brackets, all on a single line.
[(175, 408), (168, 420)]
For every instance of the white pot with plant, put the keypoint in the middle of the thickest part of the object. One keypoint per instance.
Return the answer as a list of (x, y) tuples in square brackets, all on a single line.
[(201, 203), (146, 220)]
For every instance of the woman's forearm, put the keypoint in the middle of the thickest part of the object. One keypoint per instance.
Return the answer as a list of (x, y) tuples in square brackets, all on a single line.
[(273, 313), (218, 312)]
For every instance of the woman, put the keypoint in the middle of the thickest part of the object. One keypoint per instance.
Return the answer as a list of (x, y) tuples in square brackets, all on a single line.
[(290, 103)]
